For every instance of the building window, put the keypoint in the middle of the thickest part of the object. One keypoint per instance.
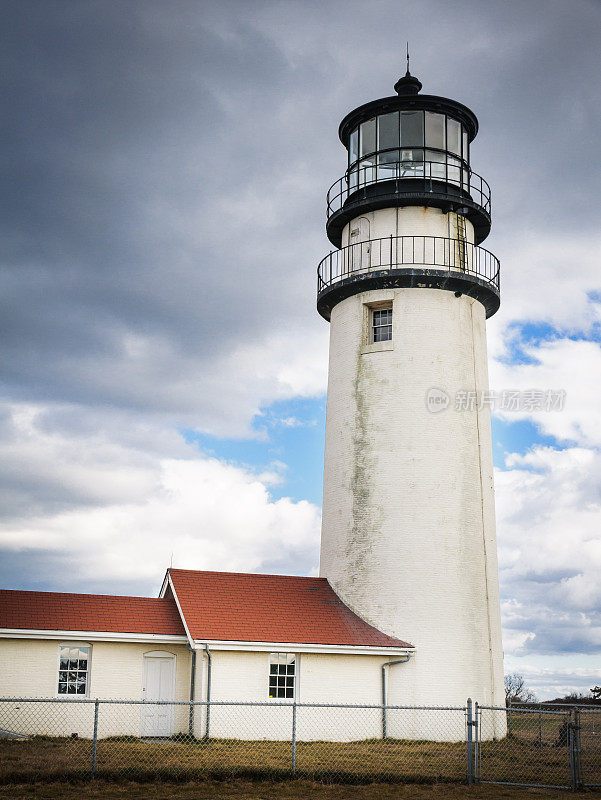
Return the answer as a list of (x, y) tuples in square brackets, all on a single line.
[(73, 669), (282, 675), (381, 325)]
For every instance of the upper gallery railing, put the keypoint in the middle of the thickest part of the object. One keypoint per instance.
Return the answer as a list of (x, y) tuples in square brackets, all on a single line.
[(433, 173)]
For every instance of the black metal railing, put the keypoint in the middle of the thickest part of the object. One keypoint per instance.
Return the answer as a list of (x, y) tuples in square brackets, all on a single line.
[(472, 186), (396, 252)]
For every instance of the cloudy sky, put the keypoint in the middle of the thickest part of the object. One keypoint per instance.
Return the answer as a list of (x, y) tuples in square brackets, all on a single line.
[(163, 365)]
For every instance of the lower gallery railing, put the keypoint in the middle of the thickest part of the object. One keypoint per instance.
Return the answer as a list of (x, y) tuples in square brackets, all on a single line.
[(396, 252), (60, 739)]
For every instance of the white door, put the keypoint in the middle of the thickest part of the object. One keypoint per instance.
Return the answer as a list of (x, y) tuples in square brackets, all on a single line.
[(360, 246), (159, 680)]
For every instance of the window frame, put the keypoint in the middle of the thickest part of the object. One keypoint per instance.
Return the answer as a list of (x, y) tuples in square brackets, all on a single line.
[(369, 306), (88, 671), (372, 324), (295, 676)]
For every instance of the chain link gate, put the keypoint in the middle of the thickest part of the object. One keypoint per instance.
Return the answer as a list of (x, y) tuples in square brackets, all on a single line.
[(587, 734), (542, 747)]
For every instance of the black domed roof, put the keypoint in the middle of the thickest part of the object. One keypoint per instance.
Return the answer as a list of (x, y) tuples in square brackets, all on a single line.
[(408, 98)]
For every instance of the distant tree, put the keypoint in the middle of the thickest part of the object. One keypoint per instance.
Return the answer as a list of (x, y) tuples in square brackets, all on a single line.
[(596, 692), (516, 690)]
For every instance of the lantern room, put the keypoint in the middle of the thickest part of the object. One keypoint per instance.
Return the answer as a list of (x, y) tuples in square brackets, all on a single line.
[(409, 149), (406, 152)]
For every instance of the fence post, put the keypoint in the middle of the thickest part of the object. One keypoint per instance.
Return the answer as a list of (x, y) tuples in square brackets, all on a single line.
[(509, 718), (95, 738), (470, 743), (477, 713), (576, 745), (571, 751), (293, 736), (540, 728)]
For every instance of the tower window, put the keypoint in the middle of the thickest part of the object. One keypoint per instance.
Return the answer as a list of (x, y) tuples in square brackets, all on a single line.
[(282, 675), (381, 324)]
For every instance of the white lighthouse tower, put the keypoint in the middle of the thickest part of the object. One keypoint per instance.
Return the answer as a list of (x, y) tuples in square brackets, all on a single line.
[(408, 536)]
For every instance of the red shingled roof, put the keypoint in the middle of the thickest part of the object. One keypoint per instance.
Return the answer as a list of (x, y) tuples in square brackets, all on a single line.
[(88, 612), (231, 606)]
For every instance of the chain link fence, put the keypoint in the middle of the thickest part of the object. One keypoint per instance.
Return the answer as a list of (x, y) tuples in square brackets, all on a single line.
[(62, 739)]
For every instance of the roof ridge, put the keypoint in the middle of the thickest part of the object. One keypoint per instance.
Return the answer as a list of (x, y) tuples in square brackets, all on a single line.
[(82, 594), (248, 574)]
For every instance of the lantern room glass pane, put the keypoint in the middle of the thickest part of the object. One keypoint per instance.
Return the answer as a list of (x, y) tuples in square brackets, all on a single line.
[(353, 151), (453, 136), (436, 162), (389, 157), (435, 130), (387, 164), (367, 140), (367, 171), (412, 128), (454, 170), (388, 131), (412, 164), (465, 147)]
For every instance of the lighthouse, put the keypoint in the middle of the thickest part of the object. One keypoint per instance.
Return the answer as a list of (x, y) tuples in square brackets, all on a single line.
[(408, 534)]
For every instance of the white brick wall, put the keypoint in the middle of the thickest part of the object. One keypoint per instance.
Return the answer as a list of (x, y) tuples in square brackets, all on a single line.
[(322, 678), (29, 668)]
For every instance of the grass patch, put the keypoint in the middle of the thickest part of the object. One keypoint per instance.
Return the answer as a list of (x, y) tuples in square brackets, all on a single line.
[(521, 757)]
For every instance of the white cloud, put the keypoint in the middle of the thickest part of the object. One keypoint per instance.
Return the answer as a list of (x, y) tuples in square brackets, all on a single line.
[(550, 277), (141, 507), (573, 366), (548, 520)]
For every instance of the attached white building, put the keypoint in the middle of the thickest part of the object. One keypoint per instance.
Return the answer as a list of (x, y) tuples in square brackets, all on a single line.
[(210, 635)]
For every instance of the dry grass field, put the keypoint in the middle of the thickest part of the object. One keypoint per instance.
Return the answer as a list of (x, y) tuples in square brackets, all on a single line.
[(534, 753), (364, 760), (512, 759)]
